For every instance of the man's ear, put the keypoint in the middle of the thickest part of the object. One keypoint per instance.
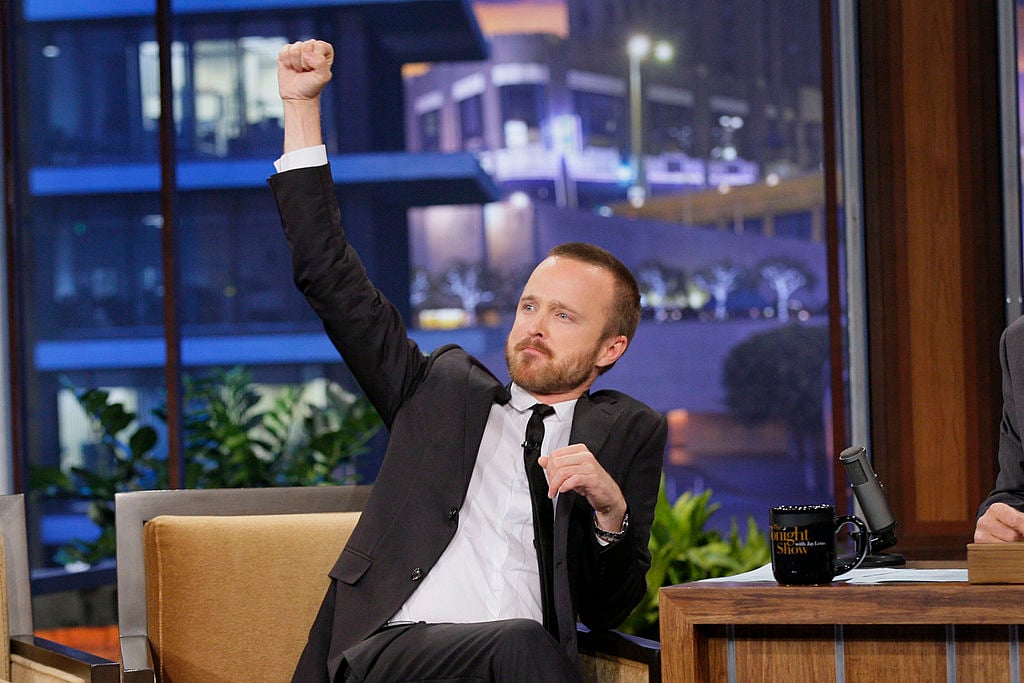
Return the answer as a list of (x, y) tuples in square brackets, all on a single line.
[(611, 350)]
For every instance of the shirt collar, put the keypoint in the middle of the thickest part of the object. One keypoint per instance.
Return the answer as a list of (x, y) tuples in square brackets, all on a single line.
[(522, 401)]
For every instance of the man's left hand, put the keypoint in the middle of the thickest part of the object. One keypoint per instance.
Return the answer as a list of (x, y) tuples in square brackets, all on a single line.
[(574, 468)]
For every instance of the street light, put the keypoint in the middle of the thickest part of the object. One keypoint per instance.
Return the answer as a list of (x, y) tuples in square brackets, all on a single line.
[(639, 48)]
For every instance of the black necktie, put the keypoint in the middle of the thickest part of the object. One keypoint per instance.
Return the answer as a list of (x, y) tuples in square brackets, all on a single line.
[(543, 529)]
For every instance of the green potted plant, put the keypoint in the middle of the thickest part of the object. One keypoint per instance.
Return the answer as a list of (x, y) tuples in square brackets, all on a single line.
[(230, 441), (683, 549)]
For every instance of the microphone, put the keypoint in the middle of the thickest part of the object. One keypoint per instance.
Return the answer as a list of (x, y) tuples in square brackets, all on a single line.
[(870, 496)]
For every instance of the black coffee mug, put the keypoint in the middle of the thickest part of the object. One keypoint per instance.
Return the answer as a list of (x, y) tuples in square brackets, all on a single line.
[(803, 539)]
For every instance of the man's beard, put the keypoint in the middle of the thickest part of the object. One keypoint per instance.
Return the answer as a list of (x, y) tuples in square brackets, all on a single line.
[(547, 376)]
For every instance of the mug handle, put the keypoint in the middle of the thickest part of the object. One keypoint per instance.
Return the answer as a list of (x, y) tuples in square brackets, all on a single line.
[(862, 539)]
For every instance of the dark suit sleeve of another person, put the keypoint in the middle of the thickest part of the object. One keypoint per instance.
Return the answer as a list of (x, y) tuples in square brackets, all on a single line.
[(1009, 486), (364, 326), (613, 579)]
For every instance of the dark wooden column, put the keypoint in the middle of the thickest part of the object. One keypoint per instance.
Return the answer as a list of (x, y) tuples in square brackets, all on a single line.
[(934, 255)]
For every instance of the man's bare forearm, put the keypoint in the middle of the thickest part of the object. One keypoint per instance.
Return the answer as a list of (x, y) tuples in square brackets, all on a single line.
[(303, 69), (301, 124)]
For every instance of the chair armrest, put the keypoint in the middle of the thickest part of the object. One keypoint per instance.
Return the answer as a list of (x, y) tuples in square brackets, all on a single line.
[(137, 660), (84, 665), (621, 646)]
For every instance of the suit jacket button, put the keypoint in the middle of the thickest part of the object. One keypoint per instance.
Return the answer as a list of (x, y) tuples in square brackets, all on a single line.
[(417, 574), (453, 514)]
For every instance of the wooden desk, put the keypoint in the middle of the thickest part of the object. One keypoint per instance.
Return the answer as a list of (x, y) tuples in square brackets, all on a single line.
[(890, 632)]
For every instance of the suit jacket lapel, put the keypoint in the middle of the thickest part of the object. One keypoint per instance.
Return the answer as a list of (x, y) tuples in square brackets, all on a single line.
[(562, 595), (591, 425)]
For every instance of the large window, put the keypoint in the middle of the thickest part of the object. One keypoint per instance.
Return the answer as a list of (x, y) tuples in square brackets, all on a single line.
[(96, 93), (671, 126), (602, 119), (233, 103), (471, 122), (727, 240), (430, 130), (85, 104), (90, 230), (522, 107)]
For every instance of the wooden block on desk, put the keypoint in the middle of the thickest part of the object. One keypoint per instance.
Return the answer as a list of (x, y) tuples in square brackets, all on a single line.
[(995, 562)]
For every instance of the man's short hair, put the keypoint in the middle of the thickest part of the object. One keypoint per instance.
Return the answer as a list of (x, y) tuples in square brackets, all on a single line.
[(625, 315)]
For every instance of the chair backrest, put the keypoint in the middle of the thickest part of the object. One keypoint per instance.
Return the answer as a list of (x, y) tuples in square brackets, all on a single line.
[(15, 562), (223, 584)]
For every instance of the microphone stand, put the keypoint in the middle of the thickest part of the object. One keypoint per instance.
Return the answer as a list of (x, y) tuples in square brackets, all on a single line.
[(870, 497), (875, 558)]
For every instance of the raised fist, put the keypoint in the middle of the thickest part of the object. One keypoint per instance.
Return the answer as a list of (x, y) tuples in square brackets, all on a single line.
[(303, 69)]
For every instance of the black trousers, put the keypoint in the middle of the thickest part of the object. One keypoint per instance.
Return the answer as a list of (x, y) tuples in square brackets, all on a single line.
[(512, 651)]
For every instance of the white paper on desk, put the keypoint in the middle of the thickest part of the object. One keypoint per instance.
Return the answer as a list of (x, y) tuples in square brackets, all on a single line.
[(760, 574), (858, 576), (901, 574)]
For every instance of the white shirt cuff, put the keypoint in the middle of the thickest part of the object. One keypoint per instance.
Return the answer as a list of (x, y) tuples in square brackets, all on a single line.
[(302, 158)]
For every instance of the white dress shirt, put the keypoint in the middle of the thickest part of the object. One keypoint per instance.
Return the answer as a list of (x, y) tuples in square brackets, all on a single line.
[(489, 570)]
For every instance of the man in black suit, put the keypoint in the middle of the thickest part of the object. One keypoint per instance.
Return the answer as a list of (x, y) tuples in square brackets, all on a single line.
[(1001, 515), (442, 578)]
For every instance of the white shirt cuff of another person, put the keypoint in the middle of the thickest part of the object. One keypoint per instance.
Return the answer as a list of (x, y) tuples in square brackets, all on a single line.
[(302, 158)]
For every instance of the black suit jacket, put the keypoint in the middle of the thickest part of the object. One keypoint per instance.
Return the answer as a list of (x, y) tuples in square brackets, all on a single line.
[(435, 408), (1009, 487)]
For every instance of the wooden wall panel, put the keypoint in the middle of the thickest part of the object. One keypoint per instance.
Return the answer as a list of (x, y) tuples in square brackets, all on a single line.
[(934, 257), (935, 306)]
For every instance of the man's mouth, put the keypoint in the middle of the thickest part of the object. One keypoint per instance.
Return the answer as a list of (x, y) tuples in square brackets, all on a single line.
[(533, 347)]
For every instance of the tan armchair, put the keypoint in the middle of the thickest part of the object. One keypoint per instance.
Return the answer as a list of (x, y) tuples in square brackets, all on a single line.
[(25, 658), (222, 585), (218, 585), (613, 657)]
